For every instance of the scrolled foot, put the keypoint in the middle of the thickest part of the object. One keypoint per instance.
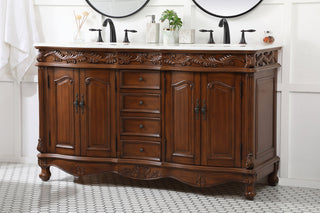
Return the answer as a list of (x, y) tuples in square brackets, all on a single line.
[(250, 195), (45, 173), (273, 179)]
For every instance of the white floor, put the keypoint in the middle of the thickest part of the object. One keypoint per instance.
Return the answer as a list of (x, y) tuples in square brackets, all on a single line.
[(22, 191)]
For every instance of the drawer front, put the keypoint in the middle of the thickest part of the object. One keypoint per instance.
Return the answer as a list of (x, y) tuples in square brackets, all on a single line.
[(149, 103), (140, 150), (140, 80), (148, 127)]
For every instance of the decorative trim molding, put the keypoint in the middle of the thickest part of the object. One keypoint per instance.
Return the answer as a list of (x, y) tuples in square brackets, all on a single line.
[(139, 58), (80, 171), (265, 58), (201, 180), (204, 60), (117, 57), (140, 171), (41, 146), (76, 57), (250, 161)]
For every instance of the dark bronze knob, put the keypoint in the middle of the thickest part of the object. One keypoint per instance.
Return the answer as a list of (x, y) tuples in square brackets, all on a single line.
[(140, 102), (141, 149), (141, 126), (140, 79)]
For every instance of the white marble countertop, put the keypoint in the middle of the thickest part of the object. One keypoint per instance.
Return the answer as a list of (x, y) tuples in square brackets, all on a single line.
[(217, 47)]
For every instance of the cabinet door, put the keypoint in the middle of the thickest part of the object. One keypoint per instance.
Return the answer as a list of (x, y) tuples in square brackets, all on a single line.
[(63, 119), (221, 119), (98, 128), (182, 127)]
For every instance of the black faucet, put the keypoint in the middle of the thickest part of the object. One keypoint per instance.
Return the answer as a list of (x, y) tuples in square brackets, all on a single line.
[(226, 33), (113, 37)]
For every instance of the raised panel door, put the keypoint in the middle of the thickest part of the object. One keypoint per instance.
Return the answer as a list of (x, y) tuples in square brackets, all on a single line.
[(221, 119), (182, 129), (62, 90), (98, 112)]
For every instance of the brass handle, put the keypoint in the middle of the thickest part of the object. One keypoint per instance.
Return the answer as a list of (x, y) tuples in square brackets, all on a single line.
[(82, 104), (140, 103), (141, 149), (204, 109), (197, 109), (141, 126), (76, 103), (140, 79)]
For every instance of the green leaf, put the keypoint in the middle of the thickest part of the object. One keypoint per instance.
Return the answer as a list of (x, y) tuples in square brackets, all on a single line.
[(173, 19)]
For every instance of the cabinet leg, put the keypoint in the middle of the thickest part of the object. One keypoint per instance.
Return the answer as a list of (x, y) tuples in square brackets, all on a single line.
[(45, 169), (45, 173), (250, 191), (273, 179)]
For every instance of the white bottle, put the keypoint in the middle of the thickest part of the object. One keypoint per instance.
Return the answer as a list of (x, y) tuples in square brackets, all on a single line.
[(152, 31)]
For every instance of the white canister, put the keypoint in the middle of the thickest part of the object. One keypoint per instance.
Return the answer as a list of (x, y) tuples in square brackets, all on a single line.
[(170, 36)]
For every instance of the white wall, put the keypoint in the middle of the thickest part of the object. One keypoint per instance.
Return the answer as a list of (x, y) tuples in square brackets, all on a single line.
[(293, 23)]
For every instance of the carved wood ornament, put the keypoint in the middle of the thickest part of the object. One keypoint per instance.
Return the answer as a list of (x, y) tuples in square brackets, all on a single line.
[(201, 180), (139, 171), (41, 146), (250, 161), (207, 60)]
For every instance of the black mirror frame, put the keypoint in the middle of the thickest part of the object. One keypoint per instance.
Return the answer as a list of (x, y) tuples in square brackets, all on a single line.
[(88, 1), (194, 1)]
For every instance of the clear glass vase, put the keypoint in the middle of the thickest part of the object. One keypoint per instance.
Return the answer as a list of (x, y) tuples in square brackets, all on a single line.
[(78, 35)]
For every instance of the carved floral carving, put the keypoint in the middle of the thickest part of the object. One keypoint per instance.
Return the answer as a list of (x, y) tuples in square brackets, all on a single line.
[(250, 162), (139, 58), (250, 61), (158, 58), (43, 162), (80, 171), (41, 146), (265, 58), (200, 59), (201, 180), (139, 171), (76, 57)]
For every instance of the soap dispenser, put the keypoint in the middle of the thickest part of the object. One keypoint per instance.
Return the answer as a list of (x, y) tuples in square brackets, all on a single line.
[(152, 31)]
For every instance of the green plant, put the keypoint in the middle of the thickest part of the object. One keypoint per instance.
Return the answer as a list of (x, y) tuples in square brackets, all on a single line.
[(174, 21)]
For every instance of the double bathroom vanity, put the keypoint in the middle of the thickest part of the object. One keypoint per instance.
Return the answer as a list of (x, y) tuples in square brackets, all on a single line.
[(201, 114), (204, 114)]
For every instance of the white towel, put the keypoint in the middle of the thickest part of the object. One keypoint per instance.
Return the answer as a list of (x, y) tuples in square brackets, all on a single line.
[(20, 33), (4, 47)]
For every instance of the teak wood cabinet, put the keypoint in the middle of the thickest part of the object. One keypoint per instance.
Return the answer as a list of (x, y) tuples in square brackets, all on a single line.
[(201, 117)]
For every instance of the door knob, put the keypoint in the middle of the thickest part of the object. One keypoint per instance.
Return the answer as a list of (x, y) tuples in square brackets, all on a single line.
[(140, 102), (141, 126), (141, 149), (140, 79)]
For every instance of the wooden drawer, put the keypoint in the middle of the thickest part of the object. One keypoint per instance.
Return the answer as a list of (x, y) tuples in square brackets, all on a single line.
[(140, 80), (133, 102), (140, 150), (148, 127)]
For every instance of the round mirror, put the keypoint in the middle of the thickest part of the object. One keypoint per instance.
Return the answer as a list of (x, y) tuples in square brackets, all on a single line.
[(227, 8), (117, 8)]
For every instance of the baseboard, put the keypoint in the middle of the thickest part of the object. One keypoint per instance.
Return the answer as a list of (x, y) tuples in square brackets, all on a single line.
[(299, 183)]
